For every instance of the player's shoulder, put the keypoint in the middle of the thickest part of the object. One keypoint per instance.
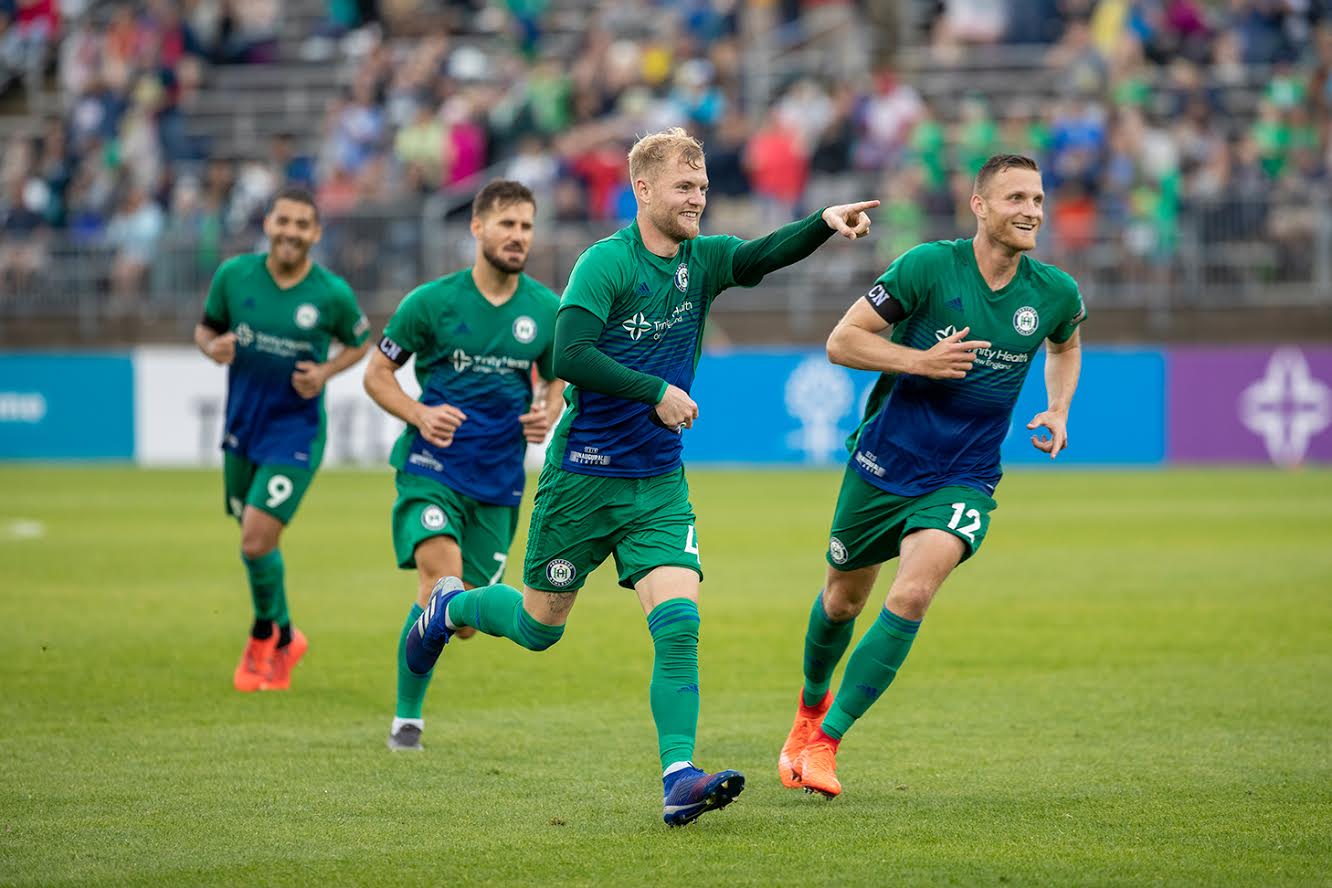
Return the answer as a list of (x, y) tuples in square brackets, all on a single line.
[(940, 250), (1051, 279), (439, 289), (543, 295), (332, 282), (241, 265), (613, 247)]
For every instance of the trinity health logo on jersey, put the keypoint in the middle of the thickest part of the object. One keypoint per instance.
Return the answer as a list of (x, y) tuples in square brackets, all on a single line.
[(244, 335), (637, 326)]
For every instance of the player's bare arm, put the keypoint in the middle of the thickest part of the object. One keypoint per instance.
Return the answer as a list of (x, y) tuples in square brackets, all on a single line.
[(1063, 365), (310, 377), (220, 348), (545, 410), (858, 342), (436, 424), (851, 220)]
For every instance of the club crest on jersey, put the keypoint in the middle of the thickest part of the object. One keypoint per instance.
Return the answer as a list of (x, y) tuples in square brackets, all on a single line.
[(433, 518), (524, 329), (1025, 320), (306, 316), (837, 551), (682, 278), (244, 335), (561, 572)]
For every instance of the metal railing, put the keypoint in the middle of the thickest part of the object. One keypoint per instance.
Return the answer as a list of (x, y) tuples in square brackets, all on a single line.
[(1225, 254)]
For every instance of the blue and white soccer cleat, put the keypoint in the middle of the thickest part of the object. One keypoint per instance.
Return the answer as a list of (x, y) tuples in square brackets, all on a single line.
[(691, 793), (430, 632)]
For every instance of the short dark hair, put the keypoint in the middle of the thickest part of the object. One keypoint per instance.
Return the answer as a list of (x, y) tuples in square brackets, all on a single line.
[(998, 164), (299, 195), (501, 192)]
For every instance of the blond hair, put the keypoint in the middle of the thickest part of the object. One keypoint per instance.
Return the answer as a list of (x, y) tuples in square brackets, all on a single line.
[(651, 152)]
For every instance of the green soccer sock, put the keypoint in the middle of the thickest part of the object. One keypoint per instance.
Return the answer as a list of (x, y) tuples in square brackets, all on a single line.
[(673, 693), (498, 610), (411, 687), (871, 669), (268, 587), (825, 642)]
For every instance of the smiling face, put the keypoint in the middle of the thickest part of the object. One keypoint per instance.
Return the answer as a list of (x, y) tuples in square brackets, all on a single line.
[(504, 235), (673, 197), (1009, 208), (292, 228)]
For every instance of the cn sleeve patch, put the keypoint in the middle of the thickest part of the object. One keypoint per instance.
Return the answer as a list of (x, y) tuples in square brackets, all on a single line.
[(394, 352), (886, 304)]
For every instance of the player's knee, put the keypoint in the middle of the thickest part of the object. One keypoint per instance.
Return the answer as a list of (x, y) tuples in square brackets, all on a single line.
[(843, 600), (256, 546), (910, 598)]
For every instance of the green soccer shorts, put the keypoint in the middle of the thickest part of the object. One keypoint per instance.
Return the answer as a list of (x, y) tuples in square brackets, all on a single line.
[(869, 523), (426, 508), (274, 489), (578, 520)]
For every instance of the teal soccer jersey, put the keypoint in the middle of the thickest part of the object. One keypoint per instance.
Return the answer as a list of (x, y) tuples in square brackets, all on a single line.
[(267, 421), (923, 434), (654, 310), (478, 357)]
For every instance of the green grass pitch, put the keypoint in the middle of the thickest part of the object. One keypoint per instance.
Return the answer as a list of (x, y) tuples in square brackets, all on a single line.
[(1131, 685)]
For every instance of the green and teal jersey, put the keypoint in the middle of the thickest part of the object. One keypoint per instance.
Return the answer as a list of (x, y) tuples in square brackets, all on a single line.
[(654, 310), (267, 421), (922, 434), (478, 357)]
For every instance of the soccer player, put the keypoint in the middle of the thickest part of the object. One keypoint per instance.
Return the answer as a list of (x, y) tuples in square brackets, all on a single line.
[(627, 339), (925, 461), (476, 334), (270, 317)]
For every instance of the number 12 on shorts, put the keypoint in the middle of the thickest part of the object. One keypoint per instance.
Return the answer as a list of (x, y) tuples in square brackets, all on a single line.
[(955, 524)]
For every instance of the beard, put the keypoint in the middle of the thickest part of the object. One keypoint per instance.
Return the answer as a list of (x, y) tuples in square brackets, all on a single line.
[(669, 224), (1012, 239), (502, 264), (288, 254)]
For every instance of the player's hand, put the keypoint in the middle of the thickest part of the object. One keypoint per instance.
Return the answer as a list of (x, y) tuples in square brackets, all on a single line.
[(676, 410), (437, 424), (536, 423), (950, 358), (223, 348), (850, 220), (1056, 421), (309, 379)]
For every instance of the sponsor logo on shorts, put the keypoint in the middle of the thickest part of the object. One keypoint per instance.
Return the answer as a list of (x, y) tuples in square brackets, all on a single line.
[(433, 518), (306, 316), (1026, 320), (837, 551), (561, 572), (524, 329)]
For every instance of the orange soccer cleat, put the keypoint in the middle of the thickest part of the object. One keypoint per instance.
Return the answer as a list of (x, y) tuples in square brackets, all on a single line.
[(285, 660), (806, 726), (817, 766), (255, 663)]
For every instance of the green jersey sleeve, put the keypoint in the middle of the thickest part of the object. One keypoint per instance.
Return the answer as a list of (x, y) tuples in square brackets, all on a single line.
[(216, 314), (409, 326), (1074, 310), (718, 254), (596, 277), (352, 327), (908, 279)]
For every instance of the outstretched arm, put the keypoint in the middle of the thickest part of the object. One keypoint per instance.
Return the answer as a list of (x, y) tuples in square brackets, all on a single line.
[(1063, 365), (796, 240)]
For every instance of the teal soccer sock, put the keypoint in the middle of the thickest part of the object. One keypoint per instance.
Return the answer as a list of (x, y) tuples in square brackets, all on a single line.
[(498, 610), (825, 642), (673, 693), (411, 687), (872, 667)]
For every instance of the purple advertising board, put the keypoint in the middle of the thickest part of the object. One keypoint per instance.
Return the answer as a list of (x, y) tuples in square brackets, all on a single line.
[(1249, 404)]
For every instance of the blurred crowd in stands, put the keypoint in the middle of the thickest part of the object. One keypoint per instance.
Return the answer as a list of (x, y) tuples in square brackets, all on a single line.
[(1139, 112)]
